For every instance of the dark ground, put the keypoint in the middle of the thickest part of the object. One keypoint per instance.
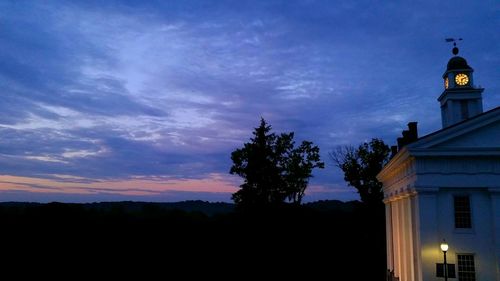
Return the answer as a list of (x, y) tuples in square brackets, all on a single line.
[(326, 240)]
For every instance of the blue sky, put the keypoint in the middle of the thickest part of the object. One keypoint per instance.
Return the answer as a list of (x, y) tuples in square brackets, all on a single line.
[(145, 100)]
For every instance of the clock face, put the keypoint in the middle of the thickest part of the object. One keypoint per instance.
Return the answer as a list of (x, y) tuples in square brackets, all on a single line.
[(446, 83), (461, 79)]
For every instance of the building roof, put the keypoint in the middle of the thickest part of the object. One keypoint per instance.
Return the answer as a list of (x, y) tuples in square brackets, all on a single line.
[(457, 62), (432, 144), (491, 111)]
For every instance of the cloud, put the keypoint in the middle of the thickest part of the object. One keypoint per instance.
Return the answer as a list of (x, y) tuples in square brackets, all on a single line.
[(117, 90), (142, 185)]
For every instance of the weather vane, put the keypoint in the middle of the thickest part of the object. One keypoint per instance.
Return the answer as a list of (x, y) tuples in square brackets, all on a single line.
[(455, 49)]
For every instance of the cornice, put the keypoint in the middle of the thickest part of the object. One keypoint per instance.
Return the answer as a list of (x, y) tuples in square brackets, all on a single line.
[(396, 161), (455, 151), (460, 93), (399, 194)]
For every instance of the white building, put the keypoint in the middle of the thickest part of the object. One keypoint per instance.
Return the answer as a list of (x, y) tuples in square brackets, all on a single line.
[(446, 185)]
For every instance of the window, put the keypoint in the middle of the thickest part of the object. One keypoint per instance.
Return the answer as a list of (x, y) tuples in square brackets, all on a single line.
[(462, 212), (466, 269)]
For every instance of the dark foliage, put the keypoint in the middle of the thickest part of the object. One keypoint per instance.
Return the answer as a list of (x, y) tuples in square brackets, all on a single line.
[(328, 239), (361, 166), (274, 170)]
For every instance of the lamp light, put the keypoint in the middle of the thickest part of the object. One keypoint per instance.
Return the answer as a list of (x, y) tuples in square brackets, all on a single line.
[(444, 246)]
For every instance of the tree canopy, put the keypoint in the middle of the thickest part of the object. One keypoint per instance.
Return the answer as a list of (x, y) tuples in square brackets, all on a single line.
[(273, 169), (361, 166)]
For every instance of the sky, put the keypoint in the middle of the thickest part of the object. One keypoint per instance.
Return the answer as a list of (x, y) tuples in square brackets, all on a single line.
[(146, 100)]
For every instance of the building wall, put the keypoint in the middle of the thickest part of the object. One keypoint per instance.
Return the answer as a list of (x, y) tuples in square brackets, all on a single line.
[(420, 214), (438, 180), (437, 223), (429, 237)]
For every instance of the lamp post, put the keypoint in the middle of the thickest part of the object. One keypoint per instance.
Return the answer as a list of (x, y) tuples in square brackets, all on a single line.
[(444, 248)]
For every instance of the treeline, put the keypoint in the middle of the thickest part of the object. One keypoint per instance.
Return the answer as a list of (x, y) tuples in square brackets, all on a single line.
[(328, 238)]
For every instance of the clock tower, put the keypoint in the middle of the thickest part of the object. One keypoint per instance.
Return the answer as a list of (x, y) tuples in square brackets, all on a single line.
[(460, 99)]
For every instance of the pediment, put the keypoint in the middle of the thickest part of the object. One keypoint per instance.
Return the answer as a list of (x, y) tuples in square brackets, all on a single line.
[(484, 137), (481, 132)]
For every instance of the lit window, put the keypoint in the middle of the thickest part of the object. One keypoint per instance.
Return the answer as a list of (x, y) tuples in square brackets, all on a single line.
[(462, 212), (466, 269)]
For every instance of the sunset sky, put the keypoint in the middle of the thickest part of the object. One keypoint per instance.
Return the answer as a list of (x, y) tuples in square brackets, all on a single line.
[(145, 100)]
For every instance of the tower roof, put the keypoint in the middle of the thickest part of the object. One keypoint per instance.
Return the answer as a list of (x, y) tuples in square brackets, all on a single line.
[(457, 62)]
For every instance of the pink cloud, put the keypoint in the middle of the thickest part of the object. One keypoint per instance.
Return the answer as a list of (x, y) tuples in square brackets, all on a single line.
[(214, 183)]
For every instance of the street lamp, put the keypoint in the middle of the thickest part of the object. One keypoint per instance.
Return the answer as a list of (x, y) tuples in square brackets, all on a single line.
[(444, 248)]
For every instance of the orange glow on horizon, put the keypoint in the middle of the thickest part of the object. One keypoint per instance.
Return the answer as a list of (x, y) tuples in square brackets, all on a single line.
[(135, 186), (139, 186)]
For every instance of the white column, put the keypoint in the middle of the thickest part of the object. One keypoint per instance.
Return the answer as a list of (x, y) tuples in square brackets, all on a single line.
[(417, 261), (396, 240), (409, 235), (389, 237), (404, 240)]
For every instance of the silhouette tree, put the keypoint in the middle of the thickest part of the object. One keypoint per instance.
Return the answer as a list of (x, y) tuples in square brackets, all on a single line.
[(361, 166), (275, 171)]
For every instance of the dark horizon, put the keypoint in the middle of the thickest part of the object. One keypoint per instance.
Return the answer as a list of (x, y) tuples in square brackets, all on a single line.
[(101, 239)]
